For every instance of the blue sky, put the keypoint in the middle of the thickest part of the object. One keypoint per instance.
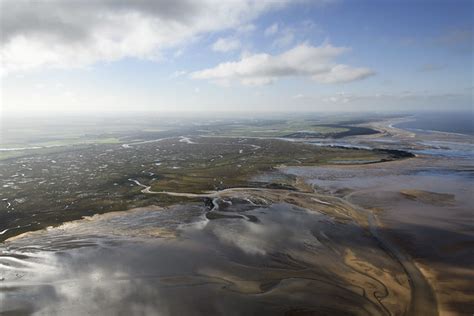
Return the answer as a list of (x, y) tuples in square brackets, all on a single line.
[(237, 55)]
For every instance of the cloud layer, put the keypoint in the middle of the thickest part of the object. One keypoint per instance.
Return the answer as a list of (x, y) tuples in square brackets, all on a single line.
[(226, 44), (79, 33), (304, 60)]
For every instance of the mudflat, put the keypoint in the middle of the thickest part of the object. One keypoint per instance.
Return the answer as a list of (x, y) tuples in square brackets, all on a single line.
[(199, 224)]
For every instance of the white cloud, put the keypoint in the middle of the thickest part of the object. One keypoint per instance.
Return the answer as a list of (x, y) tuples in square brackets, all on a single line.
[(303, 60), (271, 30), (284, 36), (343, 73), (178, 53), (246, 28), (285, 39), (65, 34), (226, 44)]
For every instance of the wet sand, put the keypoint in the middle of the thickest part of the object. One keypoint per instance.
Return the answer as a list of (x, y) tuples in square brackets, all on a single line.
[(391, 238), (285, 255), (424, 206)]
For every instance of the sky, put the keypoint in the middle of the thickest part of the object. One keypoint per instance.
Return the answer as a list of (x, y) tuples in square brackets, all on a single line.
[(119, 56)]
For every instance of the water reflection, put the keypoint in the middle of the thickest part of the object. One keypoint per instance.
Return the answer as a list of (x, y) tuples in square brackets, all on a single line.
[(175, 262)]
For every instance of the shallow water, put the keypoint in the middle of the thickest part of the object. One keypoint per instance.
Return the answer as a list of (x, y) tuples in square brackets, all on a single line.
[(175, 262), (447, 149), (424, 205)]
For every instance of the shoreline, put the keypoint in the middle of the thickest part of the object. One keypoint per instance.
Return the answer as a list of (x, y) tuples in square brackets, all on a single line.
[(342, 206), (328, 204)]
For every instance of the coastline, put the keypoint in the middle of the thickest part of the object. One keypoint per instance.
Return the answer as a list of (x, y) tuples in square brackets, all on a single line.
[(376, 188), (381, 211)]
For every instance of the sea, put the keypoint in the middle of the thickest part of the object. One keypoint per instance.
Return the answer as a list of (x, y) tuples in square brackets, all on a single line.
[(452, 122)]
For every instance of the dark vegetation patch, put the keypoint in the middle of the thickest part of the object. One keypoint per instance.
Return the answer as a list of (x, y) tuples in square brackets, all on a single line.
[(349, 131)]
